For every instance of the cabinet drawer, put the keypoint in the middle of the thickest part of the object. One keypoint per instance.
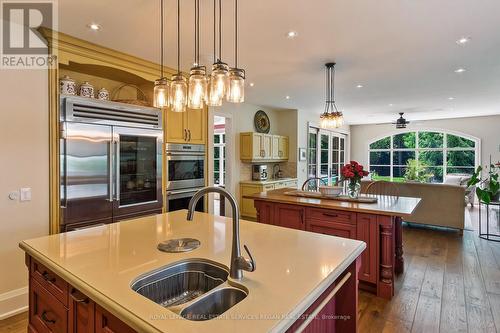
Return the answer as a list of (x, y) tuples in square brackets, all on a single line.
[(46, 313), (269, 187), (105, 322), (50, 281), (329, 215), (332, 229)]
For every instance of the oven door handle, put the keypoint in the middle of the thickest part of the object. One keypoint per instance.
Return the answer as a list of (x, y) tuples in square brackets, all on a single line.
[(170, 193)]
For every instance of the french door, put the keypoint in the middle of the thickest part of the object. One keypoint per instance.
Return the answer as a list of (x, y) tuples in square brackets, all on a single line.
[(326, 154)]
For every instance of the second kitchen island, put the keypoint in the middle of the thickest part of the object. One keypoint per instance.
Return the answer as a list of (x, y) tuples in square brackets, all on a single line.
[(377, 224)]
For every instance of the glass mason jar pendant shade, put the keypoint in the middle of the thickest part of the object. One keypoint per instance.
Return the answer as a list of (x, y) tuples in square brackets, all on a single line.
[(178, 93), (198, 84), (160, 93), (236, 93), (219, 81)]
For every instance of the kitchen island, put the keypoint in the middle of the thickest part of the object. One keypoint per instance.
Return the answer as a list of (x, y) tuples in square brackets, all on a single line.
[(83, 278), (377, 224)]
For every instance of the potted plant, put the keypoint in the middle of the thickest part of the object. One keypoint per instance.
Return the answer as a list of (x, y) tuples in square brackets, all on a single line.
[(488, 188), (353, 173), (416, 171)]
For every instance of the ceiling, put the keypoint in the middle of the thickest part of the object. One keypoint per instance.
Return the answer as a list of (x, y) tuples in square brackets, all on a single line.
[(403, 52)]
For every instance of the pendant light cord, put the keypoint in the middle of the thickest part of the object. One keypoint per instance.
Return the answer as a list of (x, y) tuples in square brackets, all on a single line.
[(161, 39), (235, 33), (220, 30), (178, 37), (197, 32)]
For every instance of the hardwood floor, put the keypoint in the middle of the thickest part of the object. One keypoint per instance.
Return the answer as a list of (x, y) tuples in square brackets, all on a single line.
[(450, 284)]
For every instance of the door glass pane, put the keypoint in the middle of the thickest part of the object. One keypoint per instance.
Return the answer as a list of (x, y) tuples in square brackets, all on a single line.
[(137, 169), (324, 169), (324, 141), (335, 142), (342, 144)]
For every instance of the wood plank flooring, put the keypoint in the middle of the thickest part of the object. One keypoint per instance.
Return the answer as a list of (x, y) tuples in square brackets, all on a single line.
[(450, 284)]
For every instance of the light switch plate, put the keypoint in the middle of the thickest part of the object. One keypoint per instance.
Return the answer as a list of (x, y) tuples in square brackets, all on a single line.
[(26, 194)]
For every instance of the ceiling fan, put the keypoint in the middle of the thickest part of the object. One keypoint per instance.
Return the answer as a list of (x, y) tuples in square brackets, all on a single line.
[(401, 122)]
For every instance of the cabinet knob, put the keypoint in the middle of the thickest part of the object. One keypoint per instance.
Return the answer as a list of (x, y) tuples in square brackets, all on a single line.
[(47, 320)]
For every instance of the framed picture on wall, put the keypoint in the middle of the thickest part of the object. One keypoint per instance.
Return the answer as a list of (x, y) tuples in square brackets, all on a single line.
[(302, 154)]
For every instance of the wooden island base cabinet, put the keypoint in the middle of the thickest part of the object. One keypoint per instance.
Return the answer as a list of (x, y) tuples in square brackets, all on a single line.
[(383, 256), (55, 306)]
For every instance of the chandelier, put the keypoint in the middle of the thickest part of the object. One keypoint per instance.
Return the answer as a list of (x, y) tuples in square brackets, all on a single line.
[(331, 117)]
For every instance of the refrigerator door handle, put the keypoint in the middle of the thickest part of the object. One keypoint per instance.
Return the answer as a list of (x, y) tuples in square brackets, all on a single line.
[(117, 168), (111, 166), (64, 131)]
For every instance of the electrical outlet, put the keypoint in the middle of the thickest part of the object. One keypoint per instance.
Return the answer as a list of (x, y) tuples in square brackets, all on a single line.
[(26, 194)]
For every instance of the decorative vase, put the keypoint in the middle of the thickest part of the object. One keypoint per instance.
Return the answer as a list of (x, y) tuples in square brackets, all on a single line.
[(103, 94), (67, 86), (87, 90), (353, 189)]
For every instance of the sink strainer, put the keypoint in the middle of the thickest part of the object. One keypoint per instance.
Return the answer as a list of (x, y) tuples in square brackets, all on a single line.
[(179, 245)]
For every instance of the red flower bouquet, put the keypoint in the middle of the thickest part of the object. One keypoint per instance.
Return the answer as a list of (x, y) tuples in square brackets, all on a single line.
[(353, 172)]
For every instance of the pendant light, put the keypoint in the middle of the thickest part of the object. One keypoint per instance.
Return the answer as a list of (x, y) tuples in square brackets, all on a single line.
[(219, 79), (331, 117), (178, 86), (160, 90), (198, 75), (236, 91)]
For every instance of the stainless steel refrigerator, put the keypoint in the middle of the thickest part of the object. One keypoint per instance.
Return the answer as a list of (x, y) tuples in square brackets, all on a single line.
[(110, 160)]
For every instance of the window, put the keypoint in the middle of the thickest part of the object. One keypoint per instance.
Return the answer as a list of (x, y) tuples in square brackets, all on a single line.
[(442, 153), (326, 154), (219, 156)]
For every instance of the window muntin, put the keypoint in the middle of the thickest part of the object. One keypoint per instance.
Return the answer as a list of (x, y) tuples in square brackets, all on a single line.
[(444, 153)]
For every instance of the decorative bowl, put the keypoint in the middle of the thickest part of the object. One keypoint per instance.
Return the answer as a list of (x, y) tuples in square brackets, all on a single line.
[(331, 191)]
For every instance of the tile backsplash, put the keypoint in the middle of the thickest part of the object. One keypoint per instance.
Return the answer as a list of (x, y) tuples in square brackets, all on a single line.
[(289, 169)]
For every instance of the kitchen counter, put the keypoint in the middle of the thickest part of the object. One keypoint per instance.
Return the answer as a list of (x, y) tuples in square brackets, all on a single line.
[(294, 268), (377, 224), (266, 182)]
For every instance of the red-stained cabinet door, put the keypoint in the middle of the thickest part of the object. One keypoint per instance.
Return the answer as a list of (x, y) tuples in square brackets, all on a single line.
[(289, 216), (81, 313), (367, 232)]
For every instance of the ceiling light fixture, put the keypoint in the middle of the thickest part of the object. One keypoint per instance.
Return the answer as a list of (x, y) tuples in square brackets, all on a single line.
[(460, 70), (94, 26), (198, 74), (463, 40), (236, 92), (219, 79), (359, 86), (287, 97), (391, 104), (451, 98), (331, 117), (292, 34), (178, 86), (252, 84), (160, 90)]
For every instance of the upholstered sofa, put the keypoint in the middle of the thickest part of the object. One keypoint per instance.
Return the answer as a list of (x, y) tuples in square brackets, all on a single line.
[(442, 205), (462, 180)]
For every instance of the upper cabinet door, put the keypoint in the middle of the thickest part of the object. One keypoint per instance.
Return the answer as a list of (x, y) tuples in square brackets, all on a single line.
[(257, 146), (267, 146), (283, 148), (196, 124), (176, 131)]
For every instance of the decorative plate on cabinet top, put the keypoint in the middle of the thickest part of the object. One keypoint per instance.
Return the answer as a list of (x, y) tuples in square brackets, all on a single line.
[(261, 122)]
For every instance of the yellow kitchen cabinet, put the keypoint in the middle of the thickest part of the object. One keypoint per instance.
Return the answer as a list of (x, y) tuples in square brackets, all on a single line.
[(258, 147), (280, 147), (187, 127), (246, 205)]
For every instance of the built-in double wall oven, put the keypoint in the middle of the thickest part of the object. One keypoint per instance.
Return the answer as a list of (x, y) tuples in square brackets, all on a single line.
[(186, 175), (111, 162)]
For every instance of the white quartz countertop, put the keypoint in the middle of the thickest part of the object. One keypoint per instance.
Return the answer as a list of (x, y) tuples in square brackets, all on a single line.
[(269, 181), (293, 268)]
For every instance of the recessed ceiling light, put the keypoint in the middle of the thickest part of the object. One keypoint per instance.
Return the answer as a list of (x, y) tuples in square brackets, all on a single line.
[(359, 86), (287, 97), (94, 26), (391, 104), (463, 40), (252, 84), (451, 98), (460, 70), (292, 34)]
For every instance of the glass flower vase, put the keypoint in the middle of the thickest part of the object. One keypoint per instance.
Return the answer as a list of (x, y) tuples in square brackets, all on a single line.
[(353, 188)]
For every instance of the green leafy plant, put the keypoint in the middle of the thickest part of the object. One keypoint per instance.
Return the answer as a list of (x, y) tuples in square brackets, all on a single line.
[(488, 187), (417, 171)]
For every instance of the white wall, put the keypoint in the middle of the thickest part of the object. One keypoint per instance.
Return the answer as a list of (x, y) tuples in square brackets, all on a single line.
[(24, 154), (487, 129)]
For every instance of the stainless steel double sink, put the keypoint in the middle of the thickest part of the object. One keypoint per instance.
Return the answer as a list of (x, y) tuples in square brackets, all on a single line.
[(195, 289)]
